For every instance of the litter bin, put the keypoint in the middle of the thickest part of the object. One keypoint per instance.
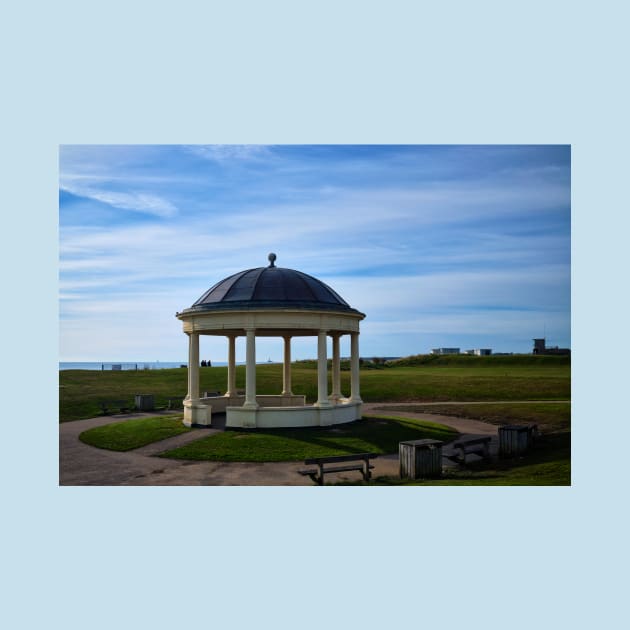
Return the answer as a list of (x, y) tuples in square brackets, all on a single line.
[(514, 439), (144, 402), (420, 459)]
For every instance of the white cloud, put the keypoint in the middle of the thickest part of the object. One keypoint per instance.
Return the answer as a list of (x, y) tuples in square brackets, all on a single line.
[(135, 201)]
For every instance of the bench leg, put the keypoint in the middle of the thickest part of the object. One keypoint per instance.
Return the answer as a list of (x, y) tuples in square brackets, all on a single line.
[(366, 471), (320, 479)]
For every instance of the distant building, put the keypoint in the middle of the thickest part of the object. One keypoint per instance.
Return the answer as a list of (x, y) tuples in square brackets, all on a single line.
[(445, 351), (540, 347), (480, 352)]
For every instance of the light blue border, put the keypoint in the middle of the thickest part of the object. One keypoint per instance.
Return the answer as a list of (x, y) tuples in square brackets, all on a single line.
[(291, 72)]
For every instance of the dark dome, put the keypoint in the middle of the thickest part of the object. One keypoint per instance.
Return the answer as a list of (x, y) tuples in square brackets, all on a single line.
[(271, 287)]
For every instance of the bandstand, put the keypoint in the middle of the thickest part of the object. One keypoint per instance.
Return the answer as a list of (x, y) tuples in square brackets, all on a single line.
[(273, 302)]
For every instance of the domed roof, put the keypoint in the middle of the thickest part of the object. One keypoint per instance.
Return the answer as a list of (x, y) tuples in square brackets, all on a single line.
[(271, 287)]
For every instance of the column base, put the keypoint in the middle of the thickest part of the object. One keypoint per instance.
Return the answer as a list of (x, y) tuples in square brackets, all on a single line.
[(197, 414)]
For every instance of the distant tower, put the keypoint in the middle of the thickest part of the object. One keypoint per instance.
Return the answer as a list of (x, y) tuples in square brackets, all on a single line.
[(539, 346)]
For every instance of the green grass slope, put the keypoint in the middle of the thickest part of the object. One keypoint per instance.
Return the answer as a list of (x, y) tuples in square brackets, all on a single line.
[(81, 391)]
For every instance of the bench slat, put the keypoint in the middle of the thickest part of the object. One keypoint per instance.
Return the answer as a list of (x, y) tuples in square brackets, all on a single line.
[(333, 469), (340, 458)]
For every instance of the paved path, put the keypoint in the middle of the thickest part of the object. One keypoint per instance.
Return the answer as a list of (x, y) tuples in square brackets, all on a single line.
[(81, 464)]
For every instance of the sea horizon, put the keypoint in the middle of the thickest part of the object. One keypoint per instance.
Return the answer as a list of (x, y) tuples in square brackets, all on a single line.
[(125, 365), (134, 365)]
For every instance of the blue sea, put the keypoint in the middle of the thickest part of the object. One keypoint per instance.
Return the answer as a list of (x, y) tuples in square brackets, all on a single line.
[(140, 365)]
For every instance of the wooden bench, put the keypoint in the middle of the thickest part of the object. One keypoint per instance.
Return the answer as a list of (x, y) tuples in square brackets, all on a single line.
[(361, 463), (478, 446), (107, 405)]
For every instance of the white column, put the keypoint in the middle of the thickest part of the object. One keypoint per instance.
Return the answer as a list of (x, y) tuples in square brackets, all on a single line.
[(189, 364), (322, 371), (286, 367), (336, 369), (195, 413), (193, 367), (231, 384), (355, 395), (250, 371)]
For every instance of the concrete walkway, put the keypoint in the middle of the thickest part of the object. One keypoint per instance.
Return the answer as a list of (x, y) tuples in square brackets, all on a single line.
[(81, 464)]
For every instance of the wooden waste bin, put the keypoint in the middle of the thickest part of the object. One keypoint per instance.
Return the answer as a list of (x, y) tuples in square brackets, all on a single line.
[(420, 459), (144, 402), (514, 439)]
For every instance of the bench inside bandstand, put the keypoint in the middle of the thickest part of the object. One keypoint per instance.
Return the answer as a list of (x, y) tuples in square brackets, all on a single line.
[(221, 403)]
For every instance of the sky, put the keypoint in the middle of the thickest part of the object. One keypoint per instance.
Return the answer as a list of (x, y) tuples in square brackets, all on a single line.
[(440, 246)]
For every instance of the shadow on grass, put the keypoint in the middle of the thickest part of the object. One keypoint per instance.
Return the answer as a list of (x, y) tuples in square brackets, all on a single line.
[(375, 434)]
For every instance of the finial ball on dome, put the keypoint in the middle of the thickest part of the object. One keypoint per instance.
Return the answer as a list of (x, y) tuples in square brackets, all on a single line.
[(272, 259)]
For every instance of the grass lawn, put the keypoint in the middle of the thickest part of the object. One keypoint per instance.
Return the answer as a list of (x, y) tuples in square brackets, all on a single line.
[(477, 378), (377, 435), (371, 434), (130, 434)]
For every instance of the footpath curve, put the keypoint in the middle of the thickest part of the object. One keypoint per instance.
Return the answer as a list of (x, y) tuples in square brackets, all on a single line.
[(81, 464)]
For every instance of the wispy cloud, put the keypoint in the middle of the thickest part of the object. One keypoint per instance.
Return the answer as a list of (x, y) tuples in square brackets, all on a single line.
[(135, 201)]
